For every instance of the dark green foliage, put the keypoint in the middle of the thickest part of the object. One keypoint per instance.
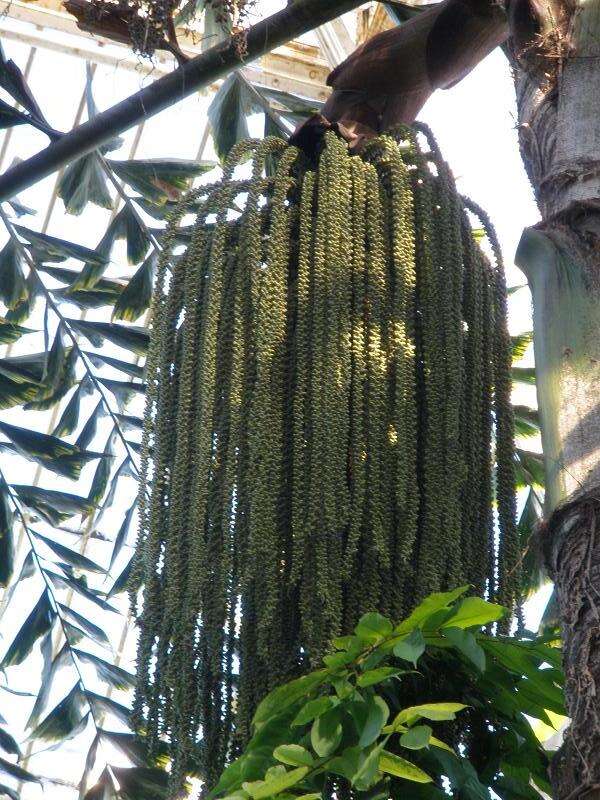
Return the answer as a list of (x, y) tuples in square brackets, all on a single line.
[(364, 726), (327, 368)]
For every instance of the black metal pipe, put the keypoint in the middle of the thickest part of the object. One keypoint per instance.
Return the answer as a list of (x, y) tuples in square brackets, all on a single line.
[(294, 20)]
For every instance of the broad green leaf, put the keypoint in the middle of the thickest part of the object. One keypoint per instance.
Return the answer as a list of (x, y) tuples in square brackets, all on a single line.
[(400, 768), (135, 298), (228, 112), (284, 696), (430, 605), (106, 705), (313, 709), (373, 676), (13, 81), (416, 738), (88, 298), (83, 182), (467, 644), (438, 712), (101, 476), (144, 783), (16, 393), (6, 536), (529, 468), (367, 772), (133, 230), (377, 716), (160, 180), (123, 391), (50, 248), (294, 755), (63, 719), (474, 612), (270, 788), (438, 743), (13, 288), (412, 647), (37, 623), (326, 733), (59, 373), (130, 337), (89, 430), (461, 774), (24, 308), (48, 451), (527, 421), (373, 627)]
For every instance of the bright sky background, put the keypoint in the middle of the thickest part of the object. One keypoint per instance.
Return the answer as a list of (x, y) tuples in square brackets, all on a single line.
[(474, 123)]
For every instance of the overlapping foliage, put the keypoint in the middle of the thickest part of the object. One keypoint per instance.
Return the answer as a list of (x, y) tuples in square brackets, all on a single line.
[(376, 719)]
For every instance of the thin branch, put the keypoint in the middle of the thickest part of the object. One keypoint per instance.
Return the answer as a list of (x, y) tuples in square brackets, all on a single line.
[(289, 23)]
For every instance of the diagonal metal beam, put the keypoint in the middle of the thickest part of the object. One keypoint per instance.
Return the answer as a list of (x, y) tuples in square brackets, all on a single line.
[(293, 21)]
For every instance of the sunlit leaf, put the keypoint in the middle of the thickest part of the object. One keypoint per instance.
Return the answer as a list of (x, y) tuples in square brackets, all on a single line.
[(160, 180), (135, 298), (520, 344), (83, 182), (48, 451), (130, 337), (13, 288)]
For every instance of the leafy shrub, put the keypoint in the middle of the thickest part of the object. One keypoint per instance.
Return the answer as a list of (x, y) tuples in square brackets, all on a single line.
[(346, 728)]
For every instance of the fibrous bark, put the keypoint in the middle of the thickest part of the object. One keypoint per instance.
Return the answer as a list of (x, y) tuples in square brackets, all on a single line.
[(573, 555)]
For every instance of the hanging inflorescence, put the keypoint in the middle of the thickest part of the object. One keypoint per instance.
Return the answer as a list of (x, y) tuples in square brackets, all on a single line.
[(328, 374)]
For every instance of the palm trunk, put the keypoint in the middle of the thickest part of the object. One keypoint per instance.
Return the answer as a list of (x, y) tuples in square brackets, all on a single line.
[(558, 91)]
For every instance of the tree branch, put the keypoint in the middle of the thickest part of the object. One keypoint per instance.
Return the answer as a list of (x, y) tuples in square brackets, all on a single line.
[(291, 22)]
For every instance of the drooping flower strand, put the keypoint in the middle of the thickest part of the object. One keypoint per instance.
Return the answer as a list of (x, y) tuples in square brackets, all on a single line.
[(328, 380)]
